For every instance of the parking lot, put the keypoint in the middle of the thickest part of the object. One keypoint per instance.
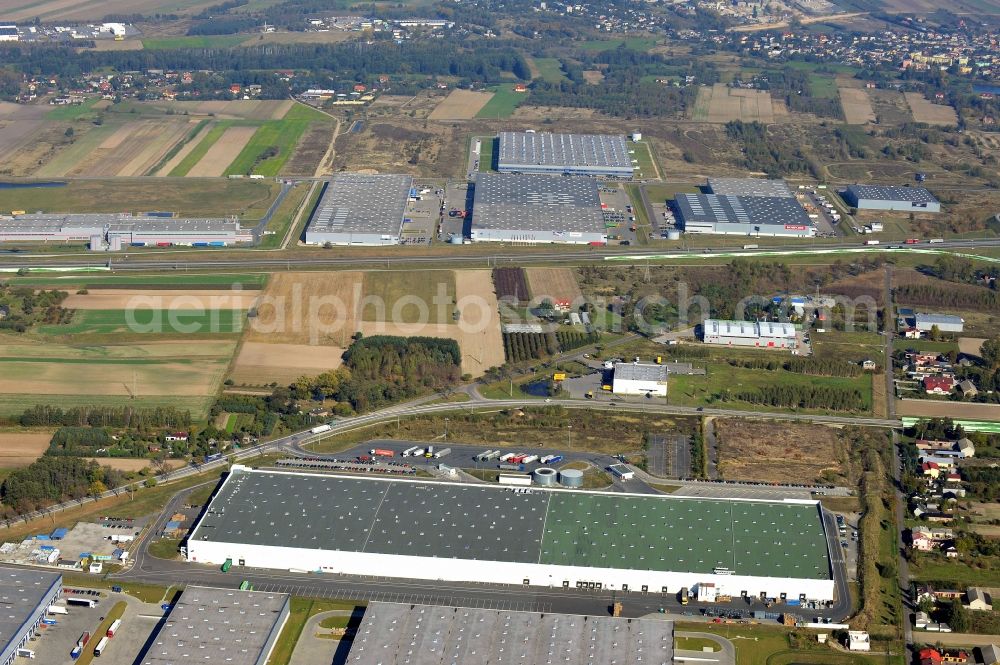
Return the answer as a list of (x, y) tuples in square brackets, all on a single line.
[(457, 196), (619, 217), (669, 456), (422, 217), (826, 225)]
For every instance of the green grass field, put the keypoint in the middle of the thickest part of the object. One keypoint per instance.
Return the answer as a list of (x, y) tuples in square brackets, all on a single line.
[(284, 215), (487, 153), (208, 41), (549, 69), (207, 141), (15, 405), (397, 288), (73, 111), (149, 321), (180, 281), (634, 43), (823, 86), (924, 345), (503, 102), (644, 156), (665, 192), (282, 135)]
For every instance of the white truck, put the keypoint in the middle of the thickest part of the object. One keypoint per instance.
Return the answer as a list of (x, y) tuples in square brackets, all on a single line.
[(506, 456), (319, 429), (438, 454), (419, 452), (529, 459), (57, 609), (408, 452)]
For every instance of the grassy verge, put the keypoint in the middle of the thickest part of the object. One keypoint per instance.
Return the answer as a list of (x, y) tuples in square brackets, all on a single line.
[(666, 489), (644, 227), (147, 593), (277, 228), (487, 151), (166, 548), (695, 644), (299, 612), (207, 41)]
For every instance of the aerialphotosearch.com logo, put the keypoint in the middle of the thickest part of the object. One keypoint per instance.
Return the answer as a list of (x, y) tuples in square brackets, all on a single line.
[(320, 317)]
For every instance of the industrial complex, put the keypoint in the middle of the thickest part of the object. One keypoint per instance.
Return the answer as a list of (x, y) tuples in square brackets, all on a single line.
[(749, 187), (553, 537), (26, 595), (219, 626), (395, 634), (765, 334), (558, 154), (112, 232), (883, 197), (639, 379), (358, 209), (537, 209), (743, 215)]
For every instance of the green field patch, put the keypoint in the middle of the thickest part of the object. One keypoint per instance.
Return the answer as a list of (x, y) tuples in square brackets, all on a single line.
[(199, 151), (395, 289), (96, 361), (549, 70), (150, 321), (15, 405), (251, 282), (642, 153), (822, 86), (305, 112), (503, 102), (207, 41), (72, 111), (276, 138), (634, 43)]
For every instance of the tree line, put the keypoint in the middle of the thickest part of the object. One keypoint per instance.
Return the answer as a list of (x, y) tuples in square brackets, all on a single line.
[(801, 365), (44, 415), (800, 397), (51, 479)]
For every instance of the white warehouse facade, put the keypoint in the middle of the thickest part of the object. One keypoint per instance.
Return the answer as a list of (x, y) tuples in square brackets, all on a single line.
[(639, 379), (762, 334), (458, 532)]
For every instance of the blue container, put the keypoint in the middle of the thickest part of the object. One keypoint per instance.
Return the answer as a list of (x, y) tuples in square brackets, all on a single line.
[(42, 536), (217, 243), (199, 244), (59, 533), (137, 244)]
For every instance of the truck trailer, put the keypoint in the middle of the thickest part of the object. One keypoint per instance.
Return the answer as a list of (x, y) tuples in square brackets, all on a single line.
[(113, 628), (441, 453), (319, 429)]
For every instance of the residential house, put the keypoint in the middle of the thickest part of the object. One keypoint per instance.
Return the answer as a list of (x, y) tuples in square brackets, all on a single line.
[(929, 656), (926, 539), (966, 447), (954, 657), (858, 640), (920, 621), (938, 385), (978, 599), (931, 469), (967, 388), (175, 437)]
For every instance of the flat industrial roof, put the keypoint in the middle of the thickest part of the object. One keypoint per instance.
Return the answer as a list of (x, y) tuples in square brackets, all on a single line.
[(749, 187), (395, 634), (640, 372), (569, 150), (21, 592), (892, 193), (537, 203), (358, 203), (217, 626), (116, 222), (937, 318), (756, 210), (749, 329), (572, 528)]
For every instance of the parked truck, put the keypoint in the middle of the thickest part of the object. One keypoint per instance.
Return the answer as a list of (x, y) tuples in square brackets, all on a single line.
[(419, 452), (382, 452), (506, 457), (507, 466), (75, 653), (319, 429), (430, 452), (113, 628), (101, 646), (408, 452), (83, 639), (441, 453), (529, 459), (82, 602), (57, 609)]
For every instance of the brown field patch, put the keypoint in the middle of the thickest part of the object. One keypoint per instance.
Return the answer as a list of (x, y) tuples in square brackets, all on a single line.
[(162, 299), (19, 449), (310, 150), (559, 284), (223, 152), (986, 530), (767, 451), (228, 110), (392, 101), (593, 76), (260, 364), (114, 45), (924, 110), (970, 345), (308, 308), (460, 105), (164, 378), (53, 10), (857, 107), (926, 408), (131, 149), (721, 104), (174, 161), (132, 464)]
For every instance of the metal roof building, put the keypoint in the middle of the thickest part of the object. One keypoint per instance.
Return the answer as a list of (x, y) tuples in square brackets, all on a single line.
[(749, 187), (560, 537), (882, 197), (743, 215), (639, 379), (537, 209), (219, 626), (395, 634), (358, 209), (557, 154), (25, 596), (944, 322), (765, 334)]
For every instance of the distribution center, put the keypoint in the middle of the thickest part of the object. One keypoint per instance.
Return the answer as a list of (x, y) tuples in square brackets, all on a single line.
[(749, 187), (766, 334), (639, 379), (558, 154), (537, 209), (488, 533), (882, 197), (26, 595), (359, 209), (743, 215)]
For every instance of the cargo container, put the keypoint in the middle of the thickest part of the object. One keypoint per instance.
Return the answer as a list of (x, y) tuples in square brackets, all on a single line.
[(163, 244), (24, 653), (408, 452), (935, 240), (217, 243), (507, 466), (494, 455), (319, 429), (75, 653), (57, 609), (137, 244), (227, 565), (529, 459), (871, 242), (113, 628), (912, 241), (101, 646), (441, 453), (506, 457), (483, 456), (419, 452), (82, 602), (82, 642), (750, 246), (382, 452), (199, 244)]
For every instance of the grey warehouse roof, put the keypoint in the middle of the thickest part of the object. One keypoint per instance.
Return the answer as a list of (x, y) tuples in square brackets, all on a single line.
[(938, 318), (537, 203), (756, 210), (640, 372), (116, 222), (556, 150), (394, 634), (208, 625), (357, 203), (892, 193), (749, 187), (21, 592)]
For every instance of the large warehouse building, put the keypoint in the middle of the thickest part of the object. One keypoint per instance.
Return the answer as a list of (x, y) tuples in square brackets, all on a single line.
[(208, 625), (639, 379), (764, 334), (881, 197), (743, 215), (749, 187), (113, 232), (395, 634), (488, 533), (358, 209), (537, 209), (559, 154), (26, 596)]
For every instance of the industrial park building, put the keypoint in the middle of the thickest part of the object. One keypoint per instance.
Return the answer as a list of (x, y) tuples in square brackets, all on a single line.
[(488, 533), (881, 197), (639, 379), (397, 634), (749, 187), (113, 232), (765, 334), (537, 209), (945, 323), (26, 595), (209, 625), (358, 209), (564, 154), (743, 215)]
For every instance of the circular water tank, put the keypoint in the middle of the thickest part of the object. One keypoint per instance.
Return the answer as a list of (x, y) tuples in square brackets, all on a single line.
[(571, 478), (455, 239), (544, 476), (673, 234)]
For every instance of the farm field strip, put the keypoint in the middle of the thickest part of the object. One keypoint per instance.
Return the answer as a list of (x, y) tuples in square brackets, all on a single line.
[(282, 135), (460, 105), (189, 145), (150, 321), (194, 299), (924, 110), (260, 364), (503, 103), (19, 449), (856, 105), (222, 151), (66, 160)]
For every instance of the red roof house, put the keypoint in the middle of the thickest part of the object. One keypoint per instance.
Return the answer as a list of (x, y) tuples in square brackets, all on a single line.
[(938, 385)]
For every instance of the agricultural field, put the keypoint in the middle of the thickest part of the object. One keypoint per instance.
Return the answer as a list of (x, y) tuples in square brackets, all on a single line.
[(557, 284), (220, 150), (21, 448), (259, 364), (721, 104), (929, 408), (773, 452), (248, 199), (406, 297), (18, 124), (461, 105), (856, 105), (926, 111), (144, 321), (890, 107), (133, 464), (503, 103), (547, 69), (511, 284), (53, 10)]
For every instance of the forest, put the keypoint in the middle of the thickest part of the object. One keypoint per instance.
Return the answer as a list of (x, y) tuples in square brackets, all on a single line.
[(21, 308), (104, 416), (51, 480), (800, 397)]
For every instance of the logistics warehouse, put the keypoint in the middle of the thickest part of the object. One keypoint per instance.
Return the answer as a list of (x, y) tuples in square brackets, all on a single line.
[(494, 534)]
